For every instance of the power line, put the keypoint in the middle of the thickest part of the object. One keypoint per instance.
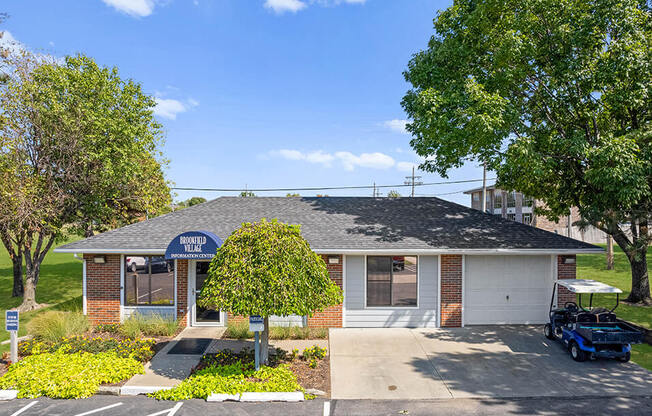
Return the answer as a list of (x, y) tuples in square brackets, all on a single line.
[(321, 188), (411, 181)]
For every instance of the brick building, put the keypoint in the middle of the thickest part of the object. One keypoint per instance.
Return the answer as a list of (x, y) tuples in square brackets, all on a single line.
[(520, 208), (406, 262)]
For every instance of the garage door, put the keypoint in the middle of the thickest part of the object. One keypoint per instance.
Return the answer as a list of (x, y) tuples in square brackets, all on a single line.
[(507, 289)]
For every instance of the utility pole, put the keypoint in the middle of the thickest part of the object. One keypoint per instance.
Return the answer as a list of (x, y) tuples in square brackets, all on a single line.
[(412, 180), (376, 192), (484, 187)]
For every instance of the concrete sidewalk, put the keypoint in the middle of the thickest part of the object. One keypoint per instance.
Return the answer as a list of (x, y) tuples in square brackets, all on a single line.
[(168, 370)]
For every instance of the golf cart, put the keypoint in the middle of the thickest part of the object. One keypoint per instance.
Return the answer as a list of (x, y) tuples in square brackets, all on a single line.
[(593, 332)]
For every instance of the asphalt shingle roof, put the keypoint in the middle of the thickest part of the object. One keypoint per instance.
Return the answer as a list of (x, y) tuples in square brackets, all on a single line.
[(354, 223)]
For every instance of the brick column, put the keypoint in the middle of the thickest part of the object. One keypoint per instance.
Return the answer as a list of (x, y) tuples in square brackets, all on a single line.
[(451, 290), (103, 289), (182, 292), (330, 317), (566, 271)]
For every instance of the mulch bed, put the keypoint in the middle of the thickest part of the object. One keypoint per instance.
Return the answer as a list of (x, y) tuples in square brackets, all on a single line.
[(313, 378)]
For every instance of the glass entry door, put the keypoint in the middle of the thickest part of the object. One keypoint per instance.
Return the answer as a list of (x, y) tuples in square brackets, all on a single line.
[(203, 316)]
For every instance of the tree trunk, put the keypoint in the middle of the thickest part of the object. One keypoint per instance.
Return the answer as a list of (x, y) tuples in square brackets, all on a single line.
[(264, 343), (29, 296), (18, 276), (610, 252), (640, 281)]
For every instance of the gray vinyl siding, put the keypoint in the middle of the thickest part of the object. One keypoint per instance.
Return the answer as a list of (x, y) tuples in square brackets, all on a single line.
[(357, 316)]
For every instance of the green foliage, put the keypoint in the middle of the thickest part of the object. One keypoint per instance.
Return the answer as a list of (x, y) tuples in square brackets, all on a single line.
[(240, 330), (393, 194), (294, 354), (553, 96), (314, 352), (53, 325), (195, 200), (140, 350), (247, 194), (67, 376), (267, 268), (231, 373), (150, 325), (111, 328)]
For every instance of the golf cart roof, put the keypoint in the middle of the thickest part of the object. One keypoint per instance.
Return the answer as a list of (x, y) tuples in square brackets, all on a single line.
[(587, 286)]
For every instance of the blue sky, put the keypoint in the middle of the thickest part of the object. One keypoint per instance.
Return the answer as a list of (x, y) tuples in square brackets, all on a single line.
[(259, 93)]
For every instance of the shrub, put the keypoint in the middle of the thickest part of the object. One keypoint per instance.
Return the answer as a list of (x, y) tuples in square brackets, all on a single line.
[(238, 330), (67, 376), (153, 325), (140, 350), (53, 325), (232, 379), (111, 328), (314, 352), (280, 332)]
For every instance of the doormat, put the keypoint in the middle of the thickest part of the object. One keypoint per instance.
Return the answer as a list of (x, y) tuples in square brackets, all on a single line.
[(191, 346)]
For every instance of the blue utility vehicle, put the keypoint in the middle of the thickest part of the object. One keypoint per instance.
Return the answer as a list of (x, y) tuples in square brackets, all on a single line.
[(594, 332)]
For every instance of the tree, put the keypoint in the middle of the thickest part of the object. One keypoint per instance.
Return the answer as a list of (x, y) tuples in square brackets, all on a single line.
[(555, 97), (195, 200), (266, 268), (247, 194), (80, 150), (393, 194), (290, 195)]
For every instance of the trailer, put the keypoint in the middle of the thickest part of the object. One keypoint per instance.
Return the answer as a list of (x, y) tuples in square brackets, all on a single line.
[(594, 332)]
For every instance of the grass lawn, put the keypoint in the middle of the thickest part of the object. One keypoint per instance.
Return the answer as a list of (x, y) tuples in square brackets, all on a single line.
[(60, 286), (592, 266)]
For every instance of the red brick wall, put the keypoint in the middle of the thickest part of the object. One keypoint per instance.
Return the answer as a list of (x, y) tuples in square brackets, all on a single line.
[(182, 292), (103, 289), (451, 290), (329, 318), (565, 271)]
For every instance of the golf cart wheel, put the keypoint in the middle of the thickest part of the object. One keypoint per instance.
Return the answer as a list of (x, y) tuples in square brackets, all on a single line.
[(547, 331), (625, 358), (576, 353)]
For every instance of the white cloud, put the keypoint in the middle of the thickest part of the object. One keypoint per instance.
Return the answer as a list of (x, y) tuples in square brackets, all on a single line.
[(282, 6), (318, 156), (374, 160), (396, 125), (170, 108), (9, 43), (134, 8), (406, 166)]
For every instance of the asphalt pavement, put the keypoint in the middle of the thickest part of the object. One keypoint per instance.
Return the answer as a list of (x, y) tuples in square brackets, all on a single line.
[(143, 406)]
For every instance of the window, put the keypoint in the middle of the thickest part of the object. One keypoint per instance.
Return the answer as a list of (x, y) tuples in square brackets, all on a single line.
[(149, 280), (391, 281), (498, 200), (511, 217), (476, 196), (528, 201), (511, 199), (527, 219)]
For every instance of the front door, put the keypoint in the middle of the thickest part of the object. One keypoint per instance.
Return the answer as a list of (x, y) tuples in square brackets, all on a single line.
[(201, 316)]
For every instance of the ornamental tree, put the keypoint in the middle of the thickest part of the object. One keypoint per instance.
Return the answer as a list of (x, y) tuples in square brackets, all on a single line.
[(267, 268), (555, 98)]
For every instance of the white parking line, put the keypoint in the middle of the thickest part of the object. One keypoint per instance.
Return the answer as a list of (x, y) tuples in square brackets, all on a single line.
[(27, 406), (90, 412), (168, 412), (327, 408)]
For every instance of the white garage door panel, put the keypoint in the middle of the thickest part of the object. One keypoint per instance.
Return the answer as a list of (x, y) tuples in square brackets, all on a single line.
[(506, 289)]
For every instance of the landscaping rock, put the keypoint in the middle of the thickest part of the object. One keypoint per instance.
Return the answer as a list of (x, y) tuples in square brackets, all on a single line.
[(315, 392)]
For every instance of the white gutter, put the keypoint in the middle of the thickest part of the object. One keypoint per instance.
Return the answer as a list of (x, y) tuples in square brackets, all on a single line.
[(394, 251)]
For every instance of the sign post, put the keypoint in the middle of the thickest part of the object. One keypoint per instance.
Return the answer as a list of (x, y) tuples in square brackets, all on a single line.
[(11, 325), (256, 324)]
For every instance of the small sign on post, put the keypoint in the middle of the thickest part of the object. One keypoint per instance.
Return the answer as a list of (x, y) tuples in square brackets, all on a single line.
[(11, 325), (256, 325)]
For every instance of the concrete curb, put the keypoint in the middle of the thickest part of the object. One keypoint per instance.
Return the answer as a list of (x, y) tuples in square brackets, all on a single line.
[(289, 396), (137, 390), (8, 394), (108, 390)]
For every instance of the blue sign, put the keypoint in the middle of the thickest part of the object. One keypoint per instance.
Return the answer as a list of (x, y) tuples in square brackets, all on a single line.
[(256, 323), (195, 245), (11, 320)]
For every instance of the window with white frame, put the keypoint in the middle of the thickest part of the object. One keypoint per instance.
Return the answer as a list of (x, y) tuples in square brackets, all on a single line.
[(527, 219), (149, 280), (391, 281), (528, 201), (511, 199), (511, 216), (498, 200)]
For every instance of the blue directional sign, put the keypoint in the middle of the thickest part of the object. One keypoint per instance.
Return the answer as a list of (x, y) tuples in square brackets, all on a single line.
[(256, 323), (11, 320)]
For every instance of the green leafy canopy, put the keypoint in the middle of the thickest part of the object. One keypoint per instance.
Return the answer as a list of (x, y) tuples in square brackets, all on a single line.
[(267, 268)]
